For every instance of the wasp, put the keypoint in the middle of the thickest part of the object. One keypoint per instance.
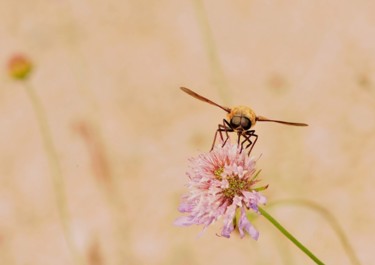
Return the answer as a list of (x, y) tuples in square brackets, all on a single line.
[(241, 120)]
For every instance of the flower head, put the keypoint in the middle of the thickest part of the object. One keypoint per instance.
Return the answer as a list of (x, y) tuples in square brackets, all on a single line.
[(221, 185), (19, 67)]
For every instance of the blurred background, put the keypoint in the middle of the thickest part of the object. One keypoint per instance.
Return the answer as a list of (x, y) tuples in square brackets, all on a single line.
[(107, 75)]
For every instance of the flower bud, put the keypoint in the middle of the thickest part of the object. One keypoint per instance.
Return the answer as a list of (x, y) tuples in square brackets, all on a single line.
[(19, 67)]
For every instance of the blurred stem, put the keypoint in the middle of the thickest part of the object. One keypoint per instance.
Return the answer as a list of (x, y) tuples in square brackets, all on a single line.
[(217, 71), (330, 219), (113, 195), (289, 236), (55, 168)]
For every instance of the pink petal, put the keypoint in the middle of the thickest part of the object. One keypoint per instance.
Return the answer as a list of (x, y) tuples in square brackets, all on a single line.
[(184, 221), (244, 224), (253, 198), (185, 207), (227, 230), (228, 221)]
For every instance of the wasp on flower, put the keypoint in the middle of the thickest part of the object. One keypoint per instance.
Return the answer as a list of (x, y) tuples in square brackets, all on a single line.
[(222, 185)]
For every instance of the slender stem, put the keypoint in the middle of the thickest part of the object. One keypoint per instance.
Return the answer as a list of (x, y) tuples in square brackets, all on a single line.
[(56, 172), (111, 191), (331, 220), (290, 237), (217, 71)]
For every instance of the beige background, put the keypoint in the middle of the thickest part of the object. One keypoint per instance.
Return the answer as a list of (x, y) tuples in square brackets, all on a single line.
[(108, 72)]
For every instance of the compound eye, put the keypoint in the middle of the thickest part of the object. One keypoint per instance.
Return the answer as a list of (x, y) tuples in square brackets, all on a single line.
[(245, 123), (235, 121)]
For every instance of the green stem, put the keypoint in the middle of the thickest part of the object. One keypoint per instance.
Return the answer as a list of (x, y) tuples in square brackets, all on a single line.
[(289, 236), (56, 172), (331, 220)]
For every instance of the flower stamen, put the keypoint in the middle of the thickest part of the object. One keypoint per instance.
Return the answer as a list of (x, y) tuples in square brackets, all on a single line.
[(236, 186), (218, 172)]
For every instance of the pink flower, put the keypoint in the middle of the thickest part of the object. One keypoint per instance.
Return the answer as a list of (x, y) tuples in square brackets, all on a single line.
[(221, 185)]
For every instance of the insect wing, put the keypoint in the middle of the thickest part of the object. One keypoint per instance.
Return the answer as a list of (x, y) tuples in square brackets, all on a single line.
[(261, 118), (197, 96)]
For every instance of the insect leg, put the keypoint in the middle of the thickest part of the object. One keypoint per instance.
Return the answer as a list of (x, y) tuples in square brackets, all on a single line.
[(251, 144), (247, 135), (222, 128), (227, 127), (247, 139)]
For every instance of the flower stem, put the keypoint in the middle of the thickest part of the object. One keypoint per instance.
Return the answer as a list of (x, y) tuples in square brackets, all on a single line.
[(330, 219), (208, 39), (56, 172), (289, 236)]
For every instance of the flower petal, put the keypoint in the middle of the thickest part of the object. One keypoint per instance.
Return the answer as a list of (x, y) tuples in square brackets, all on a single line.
[(184, 221), (227, 229), (244, 224), (253, 198), (228, 221)]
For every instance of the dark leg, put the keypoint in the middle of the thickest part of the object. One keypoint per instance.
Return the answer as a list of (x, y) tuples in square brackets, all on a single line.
[(247, 135), (247, 139), (252, 144), (222, 128), (227, 127)]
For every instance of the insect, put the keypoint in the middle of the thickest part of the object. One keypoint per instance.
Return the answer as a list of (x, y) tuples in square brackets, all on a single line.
[(241, 120)]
